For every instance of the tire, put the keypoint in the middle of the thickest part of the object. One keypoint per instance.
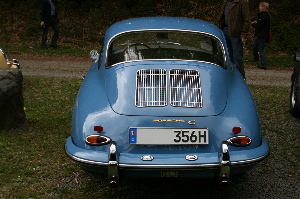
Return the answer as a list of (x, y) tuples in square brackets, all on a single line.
[(294, 101)]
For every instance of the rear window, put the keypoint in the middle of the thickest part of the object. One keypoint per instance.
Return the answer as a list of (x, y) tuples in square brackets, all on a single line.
[(173, 45)]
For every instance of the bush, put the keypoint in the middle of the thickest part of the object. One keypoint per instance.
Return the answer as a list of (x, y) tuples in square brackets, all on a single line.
[(85, 21)]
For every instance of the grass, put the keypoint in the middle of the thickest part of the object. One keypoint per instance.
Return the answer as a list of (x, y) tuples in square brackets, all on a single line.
[(34, 165), (282, 61), (62, 50)]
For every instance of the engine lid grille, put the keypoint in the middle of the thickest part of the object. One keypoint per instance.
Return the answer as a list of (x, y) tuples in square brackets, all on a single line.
[(151, 87), (184, 88)]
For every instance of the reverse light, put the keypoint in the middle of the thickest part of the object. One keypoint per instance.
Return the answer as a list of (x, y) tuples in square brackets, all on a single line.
[(236, 130), (239, 141), (97, 140)]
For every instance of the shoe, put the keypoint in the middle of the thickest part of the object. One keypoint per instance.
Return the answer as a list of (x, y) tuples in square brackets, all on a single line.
[(262, 67), (44, 47), (54, 46)]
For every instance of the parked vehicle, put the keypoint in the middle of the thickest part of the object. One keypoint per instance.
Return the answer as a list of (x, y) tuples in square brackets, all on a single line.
[(6, 63), (295, 88), (163, 100)]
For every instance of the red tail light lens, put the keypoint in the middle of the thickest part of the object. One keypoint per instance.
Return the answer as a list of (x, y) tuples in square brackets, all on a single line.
[(236, 130), (97, 140), (98, 128), (239, 141)]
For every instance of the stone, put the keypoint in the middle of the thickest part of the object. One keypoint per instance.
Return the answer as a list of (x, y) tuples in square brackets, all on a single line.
[(12, 113)]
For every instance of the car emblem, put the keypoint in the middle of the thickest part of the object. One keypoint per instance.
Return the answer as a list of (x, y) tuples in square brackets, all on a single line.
[(168, 120), (191, 122)]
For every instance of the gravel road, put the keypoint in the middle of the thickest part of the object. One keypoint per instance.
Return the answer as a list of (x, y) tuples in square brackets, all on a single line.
[(69, 68)]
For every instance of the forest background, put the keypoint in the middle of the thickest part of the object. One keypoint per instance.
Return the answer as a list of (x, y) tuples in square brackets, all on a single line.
[(83, 22)]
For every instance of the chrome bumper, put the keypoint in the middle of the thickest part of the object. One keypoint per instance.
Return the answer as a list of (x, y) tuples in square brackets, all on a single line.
[(113, 170), (226, 161), (224, 164)]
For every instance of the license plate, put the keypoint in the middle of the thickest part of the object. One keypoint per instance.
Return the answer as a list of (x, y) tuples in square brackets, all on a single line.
[(168, 136)]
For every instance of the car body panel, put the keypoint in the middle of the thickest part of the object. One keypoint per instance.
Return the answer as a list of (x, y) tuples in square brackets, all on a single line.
[(6, 63), (214, 94), (295, 87)]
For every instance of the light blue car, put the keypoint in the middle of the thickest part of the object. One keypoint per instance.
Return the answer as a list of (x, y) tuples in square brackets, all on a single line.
[(164, 100)]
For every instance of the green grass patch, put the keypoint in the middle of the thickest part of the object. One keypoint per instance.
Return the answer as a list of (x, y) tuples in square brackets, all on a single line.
[(80, 50), (34, 165), (283, 61)]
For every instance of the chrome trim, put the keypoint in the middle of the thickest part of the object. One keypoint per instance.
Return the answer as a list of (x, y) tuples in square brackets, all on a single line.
[(147, 158), (165, 29), (224, 163), (293, 92), (191, 157), (250, 161), (113, 170), (85, 161), (140, 166), (179, 166), (140, 60), (5, 56), (190, 166)]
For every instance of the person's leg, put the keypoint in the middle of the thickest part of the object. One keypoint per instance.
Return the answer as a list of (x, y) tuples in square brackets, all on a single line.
[(261, 49), (44, 36), (56, 30), (255, 50), (237, 48)]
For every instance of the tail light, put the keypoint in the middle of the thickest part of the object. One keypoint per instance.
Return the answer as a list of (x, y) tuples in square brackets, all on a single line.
[(97, 140), (98, 129), (236, 130), (239, 140)]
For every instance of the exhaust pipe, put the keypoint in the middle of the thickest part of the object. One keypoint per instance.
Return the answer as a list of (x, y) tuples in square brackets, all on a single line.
[(224, 182), (113, 182)]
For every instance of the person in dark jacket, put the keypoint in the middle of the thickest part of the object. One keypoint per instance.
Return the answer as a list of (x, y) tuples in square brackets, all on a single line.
[(49, 18), (262, 34), (234, 20)]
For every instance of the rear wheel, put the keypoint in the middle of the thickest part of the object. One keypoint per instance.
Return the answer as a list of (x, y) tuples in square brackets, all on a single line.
[(294, 100)]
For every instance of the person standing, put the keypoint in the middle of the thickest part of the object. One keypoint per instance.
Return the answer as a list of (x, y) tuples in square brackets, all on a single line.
[(49, 18), (234, 20), (262, 34)]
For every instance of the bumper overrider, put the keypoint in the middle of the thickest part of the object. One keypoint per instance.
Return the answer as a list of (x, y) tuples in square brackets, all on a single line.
[(220, 164)]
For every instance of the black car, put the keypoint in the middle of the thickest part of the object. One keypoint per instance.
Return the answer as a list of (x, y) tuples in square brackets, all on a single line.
[(295, 88)]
